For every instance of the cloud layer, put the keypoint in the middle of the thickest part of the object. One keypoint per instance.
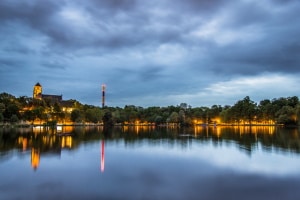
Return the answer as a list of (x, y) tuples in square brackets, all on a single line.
[(151, 52)]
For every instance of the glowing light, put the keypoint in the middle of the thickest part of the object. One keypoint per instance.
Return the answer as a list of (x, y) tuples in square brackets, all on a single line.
[(66, 142), (103, 87), (24, 144), (35, 158)]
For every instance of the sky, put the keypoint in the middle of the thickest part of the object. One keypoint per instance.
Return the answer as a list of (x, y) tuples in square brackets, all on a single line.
[(151, 53)]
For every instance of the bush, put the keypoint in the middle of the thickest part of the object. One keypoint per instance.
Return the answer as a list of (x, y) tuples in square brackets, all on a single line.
[(1, 117), (14, 119)]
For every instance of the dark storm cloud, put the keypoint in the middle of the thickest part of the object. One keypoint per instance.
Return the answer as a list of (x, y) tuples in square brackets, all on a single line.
[(119, 23), (276, 51), (139, 81), (15, 47), (53, 65), (151, 73), (114, 5), (130, 24), (9, 64), (192, 7), (141, 26), (258, 59), (34, 13), (43, 16), (284, 2), (148, 47), (247, 14)]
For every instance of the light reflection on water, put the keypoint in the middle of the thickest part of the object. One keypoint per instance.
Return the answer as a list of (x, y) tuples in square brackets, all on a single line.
[(150, 163)]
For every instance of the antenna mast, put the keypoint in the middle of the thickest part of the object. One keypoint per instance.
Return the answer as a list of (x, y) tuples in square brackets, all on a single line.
[(103, 95)]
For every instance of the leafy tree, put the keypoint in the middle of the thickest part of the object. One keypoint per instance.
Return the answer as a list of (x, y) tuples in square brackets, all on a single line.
[(292, 101), (181, 117), (60, 116), (184, 120), (279, 103), (245, 109), (158, 120), (6, 98), (1, 117), (200, 113), (265, 110), (24, 101), (226, 116), (174, 117), (298, 113), (76, 116), (286, 115), (39, 102), (214, 111), (116, 115), (11, 109), (131, 113), (14, 118), (57, 113), (108, 119), (56, 107), (77, 104), (2, 108), (282, 110), (28, 115), (38, 112), (93, 115), (151, 113), (183, 106)]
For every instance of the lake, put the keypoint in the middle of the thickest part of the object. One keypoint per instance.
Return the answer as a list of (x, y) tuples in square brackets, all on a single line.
[(144, 162)]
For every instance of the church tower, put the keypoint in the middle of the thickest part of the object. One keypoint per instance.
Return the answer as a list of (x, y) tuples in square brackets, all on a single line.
[(37, 91)]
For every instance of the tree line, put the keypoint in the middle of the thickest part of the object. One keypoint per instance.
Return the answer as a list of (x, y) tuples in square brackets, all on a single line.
[(283, 110)]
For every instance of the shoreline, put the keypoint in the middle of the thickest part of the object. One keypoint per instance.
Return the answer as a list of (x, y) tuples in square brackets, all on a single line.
[(26, 125)]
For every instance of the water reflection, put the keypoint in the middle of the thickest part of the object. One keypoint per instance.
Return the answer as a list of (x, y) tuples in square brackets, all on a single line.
[(203, 162), (102, 157), (248, 138), (35, 158), (44, 140)]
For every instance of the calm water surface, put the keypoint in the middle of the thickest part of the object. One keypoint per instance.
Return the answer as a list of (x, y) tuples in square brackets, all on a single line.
[(148, 163)]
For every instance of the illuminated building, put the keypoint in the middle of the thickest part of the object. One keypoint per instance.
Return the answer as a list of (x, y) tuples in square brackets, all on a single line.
[(67, 105), (38, 94), (37, 91)]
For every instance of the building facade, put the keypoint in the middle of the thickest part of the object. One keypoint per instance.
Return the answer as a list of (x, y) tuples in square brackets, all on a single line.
[(66, 105)]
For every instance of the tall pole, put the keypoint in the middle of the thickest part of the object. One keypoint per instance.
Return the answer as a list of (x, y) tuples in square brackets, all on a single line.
[(103, 95)]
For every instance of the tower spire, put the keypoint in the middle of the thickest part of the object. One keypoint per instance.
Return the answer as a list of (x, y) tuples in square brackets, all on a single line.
[(37, 91)]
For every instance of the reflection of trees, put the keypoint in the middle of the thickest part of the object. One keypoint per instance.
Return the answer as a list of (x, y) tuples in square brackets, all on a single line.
[(44, 141), (247, 138)]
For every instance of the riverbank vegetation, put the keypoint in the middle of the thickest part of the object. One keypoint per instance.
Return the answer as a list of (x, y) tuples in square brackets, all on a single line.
[(277, 111)]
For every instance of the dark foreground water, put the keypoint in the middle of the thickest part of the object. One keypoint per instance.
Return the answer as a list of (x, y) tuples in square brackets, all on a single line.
[(148, 163)]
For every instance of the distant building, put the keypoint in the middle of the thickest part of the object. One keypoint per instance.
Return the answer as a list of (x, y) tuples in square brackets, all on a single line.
[(52, 98), (37, 91), (38, 94), (67, 106)]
